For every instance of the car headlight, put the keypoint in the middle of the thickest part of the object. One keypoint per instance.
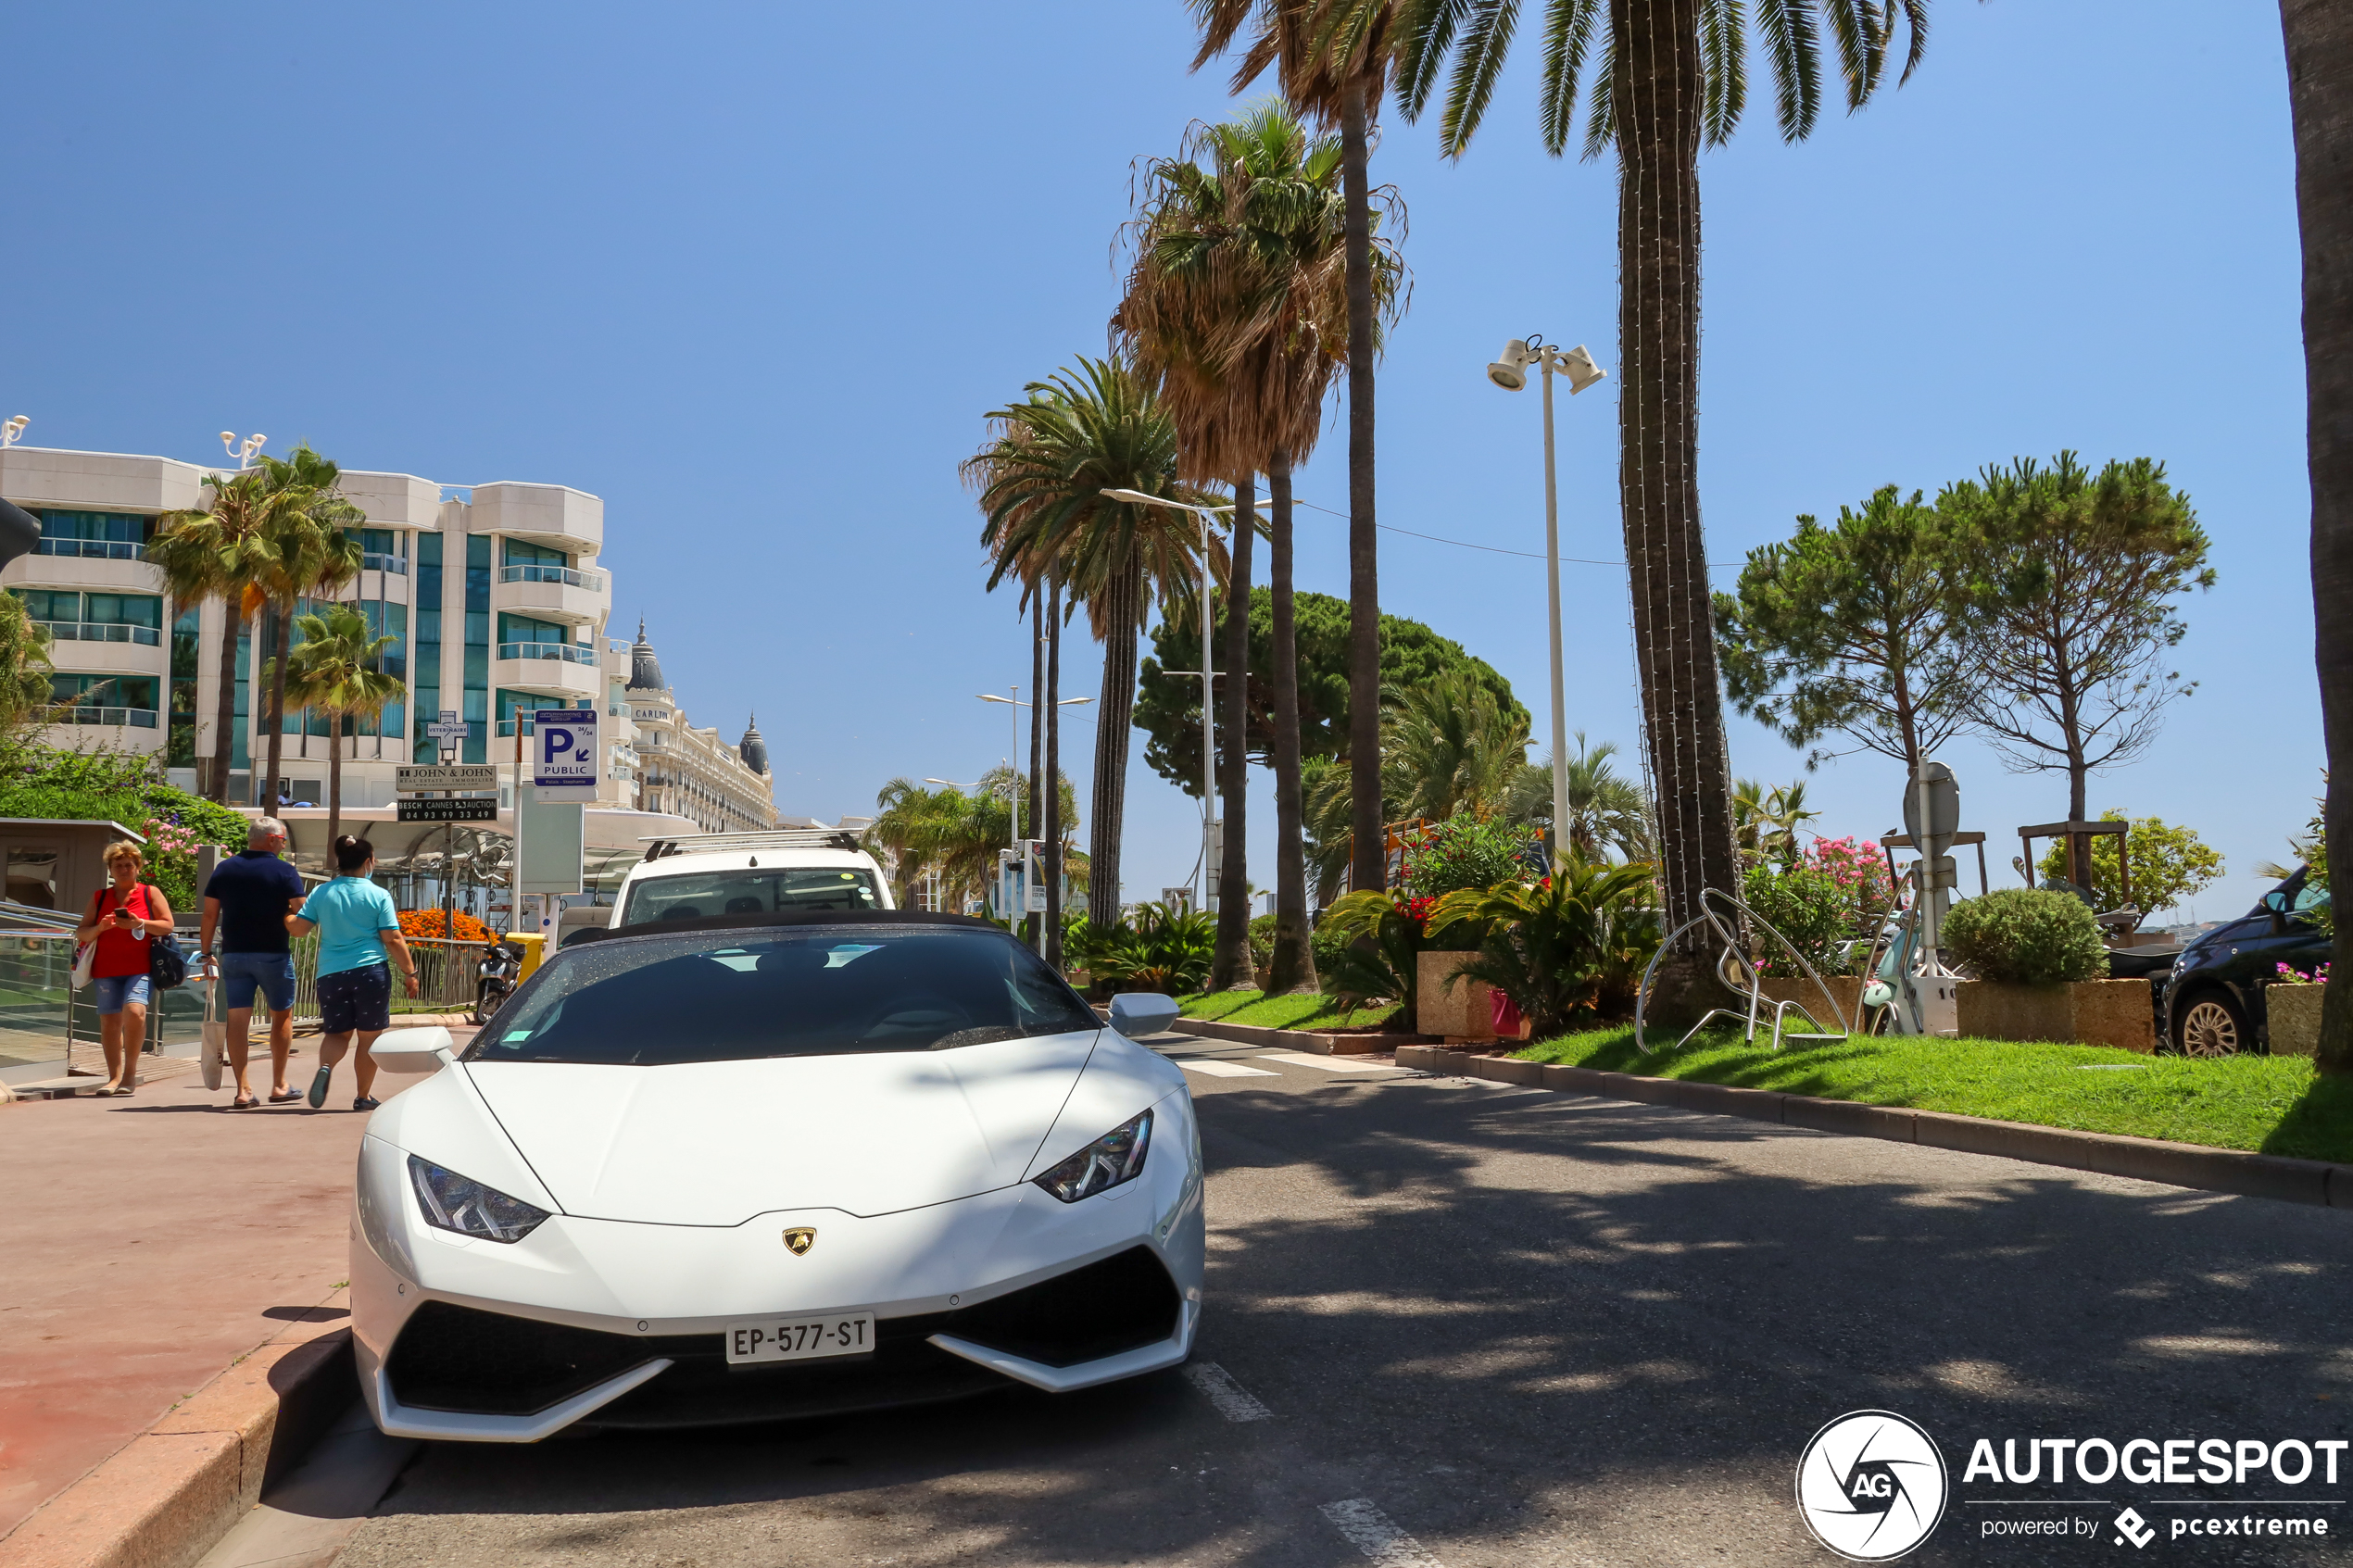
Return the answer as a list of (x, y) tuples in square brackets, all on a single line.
[(1115, 1157), (452, 1202)]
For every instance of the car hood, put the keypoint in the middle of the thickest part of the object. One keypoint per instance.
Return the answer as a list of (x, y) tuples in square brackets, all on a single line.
[(716, 1143)]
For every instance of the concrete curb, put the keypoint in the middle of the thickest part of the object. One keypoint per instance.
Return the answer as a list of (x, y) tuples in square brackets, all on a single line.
[(2149, 1159), (168, 1495), (1294, 1039)]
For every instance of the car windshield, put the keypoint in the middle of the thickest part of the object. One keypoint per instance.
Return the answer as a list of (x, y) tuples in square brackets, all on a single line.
[(745, 890), (803, 990)]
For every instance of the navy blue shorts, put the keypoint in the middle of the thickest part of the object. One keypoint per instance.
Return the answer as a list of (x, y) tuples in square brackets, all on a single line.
[(356, 998)]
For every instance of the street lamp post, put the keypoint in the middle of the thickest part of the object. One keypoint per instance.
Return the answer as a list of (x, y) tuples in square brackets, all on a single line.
[(1510, 372), (1208, 680), (1017, 705), (242, 450)]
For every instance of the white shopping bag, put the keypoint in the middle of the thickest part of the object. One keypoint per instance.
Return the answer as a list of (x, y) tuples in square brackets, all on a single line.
[(214, 1046)]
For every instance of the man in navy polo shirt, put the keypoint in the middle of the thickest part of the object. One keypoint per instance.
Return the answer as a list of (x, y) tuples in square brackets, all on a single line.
[(250, 897)]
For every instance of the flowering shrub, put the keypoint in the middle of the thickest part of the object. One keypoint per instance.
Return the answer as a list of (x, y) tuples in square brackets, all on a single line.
[(1807, 906), (2290, 975), (427, 924), (1858, 868), (1465, 852)]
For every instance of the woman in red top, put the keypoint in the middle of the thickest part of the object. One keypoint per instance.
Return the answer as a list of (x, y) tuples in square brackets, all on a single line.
[(122, 919)]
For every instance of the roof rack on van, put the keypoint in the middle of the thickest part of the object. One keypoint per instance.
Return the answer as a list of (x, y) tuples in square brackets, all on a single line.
[(765, 838)]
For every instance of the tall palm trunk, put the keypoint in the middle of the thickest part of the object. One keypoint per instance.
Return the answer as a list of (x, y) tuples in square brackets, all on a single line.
[(1037, 747), (1369, 856), (2319, 82), (224, 705), (1230, 964), (335, 776), (1658, 88), (1051, 706), (284, 620), (1123, 617), (1293, 967)]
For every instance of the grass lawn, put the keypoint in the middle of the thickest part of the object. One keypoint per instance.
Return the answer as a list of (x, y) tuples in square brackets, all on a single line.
[(1305, 1010), (2274, 1104)]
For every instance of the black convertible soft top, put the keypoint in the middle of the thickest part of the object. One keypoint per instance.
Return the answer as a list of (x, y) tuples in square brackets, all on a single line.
[(787, 918)]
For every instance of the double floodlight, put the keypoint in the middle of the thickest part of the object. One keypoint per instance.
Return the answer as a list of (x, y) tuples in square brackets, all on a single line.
[(12, 430), (1510, 369)]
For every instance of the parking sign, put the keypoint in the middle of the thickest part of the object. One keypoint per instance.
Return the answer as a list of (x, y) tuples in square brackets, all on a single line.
[(566, 753)]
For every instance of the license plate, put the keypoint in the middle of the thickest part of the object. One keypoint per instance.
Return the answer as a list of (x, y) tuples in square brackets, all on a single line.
[(800, 1339)]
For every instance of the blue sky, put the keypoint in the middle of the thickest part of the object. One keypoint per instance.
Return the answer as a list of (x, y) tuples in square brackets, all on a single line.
[(753, 274)]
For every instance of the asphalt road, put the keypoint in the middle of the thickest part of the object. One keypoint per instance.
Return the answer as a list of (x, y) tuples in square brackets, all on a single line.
[(1489, 1326)]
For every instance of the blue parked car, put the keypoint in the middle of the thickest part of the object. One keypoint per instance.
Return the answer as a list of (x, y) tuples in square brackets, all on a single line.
[(2212, 1003)]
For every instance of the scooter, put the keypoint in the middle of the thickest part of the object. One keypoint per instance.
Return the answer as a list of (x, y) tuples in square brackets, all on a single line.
[(500, 971)]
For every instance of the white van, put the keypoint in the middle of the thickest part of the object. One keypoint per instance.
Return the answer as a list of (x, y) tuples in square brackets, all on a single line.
[(775, 871)]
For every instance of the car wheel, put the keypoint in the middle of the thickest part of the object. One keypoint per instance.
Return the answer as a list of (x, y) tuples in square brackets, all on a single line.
[(2211, 1025)]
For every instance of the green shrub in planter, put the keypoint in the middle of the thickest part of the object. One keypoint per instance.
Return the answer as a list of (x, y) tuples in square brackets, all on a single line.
[(2026, 938), (1806, 905)]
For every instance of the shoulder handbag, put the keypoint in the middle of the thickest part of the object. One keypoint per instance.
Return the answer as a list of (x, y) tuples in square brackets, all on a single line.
[(85, 957), (167, 965)]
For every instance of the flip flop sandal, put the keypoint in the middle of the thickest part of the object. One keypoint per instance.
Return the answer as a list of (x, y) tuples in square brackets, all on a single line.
[(366, 1102), (318, 1086), (287, 1099), (244, 1102)]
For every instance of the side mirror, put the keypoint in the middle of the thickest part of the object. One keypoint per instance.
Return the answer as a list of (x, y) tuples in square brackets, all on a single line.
[(2276, 901), (1138, 1014), (413, 1050)]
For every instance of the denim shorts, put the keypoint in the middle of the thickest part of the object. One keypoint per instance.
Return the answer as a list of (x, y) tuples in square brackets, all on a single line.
[(117, 991), (242, 974), (356, 998)]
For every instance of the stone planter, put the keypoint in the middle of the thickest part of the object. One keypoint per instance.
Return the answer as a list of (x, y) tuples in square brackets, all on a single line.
[(2292, 1013), (2090, 1012), (1460, 1013), (1845, 989)]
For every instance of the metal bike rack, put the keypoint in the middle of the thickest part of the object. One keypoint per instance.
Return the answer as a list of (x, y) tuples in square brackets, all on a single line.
[(1739, 973)]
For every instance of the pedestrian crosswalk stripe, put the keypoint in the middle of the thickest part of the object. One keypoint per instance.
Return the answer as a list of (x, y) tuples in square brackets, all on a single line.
[(1372, 1533), (1233, 1401), (1329, 1063), (1210, 1067)]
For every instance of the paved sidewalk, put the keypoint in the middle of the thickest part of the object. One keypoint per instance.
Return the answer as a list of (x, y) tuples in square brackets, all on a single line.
[(149, 1243)]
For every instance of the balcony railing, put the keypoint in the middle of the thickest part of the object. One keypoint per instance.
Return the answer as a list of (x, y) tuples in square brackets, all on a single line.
[(135, 718), (570, 576), (564, 652), (101, 631), (372, 561), (94, 549)]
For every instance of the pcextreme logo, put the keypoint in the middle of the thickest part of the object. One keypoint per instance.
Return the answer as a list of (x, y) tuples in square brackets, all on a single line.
[(1871, 1485)]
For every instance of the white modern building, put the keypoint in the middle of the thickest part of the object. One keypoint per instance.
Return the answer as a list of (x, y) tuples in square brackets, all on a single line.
[(676, 768), (491, 590)]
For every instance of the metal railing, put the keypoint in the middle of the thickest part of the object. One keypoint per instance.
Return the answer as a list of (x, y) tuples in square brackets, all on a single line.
[(94, 549), (100, 631), (570, 576), (446, 975), (136, 718), (371, 560), (564, 652), (43, 1019)]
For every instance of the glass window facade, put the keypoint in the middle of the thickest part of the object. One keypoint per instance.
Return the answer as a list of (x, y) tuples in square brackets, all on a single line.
[(104, 699), (425, 685), (477, 673), (105, 535), (60, 608), (524, 629), (180, 741), (517, 552)]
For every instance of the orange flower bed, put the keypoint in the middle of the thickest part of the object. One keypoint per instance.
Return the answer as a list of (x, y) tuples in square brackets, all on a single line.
[(427, 924)]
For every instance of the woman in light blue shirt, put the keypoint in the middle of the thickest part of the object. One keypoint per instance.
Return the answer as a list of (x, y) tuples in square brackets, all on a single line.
[(356, 925)]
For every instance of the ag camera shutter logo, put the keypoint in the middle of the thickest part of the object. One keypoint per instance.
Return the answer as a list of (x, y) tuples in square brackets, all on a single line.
[(1871, 1485)]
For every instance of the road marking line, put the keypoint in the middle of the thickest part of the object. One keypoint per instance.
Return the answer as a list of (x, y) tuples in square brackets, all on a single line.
[(1329, 1063), (1372, 1533), (1211, 1067), (1217, 1385)]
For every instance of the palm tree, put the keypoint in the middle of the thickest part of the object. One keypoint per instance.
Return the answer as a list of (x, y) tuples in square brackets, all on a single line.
[(2320, 83), (24, 665), (338, 669), (1669, 77), (1041, 477), (1450, 748), (1238, 304), (1333, 58), (1606, 811), (217, 552), (302, 549)]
